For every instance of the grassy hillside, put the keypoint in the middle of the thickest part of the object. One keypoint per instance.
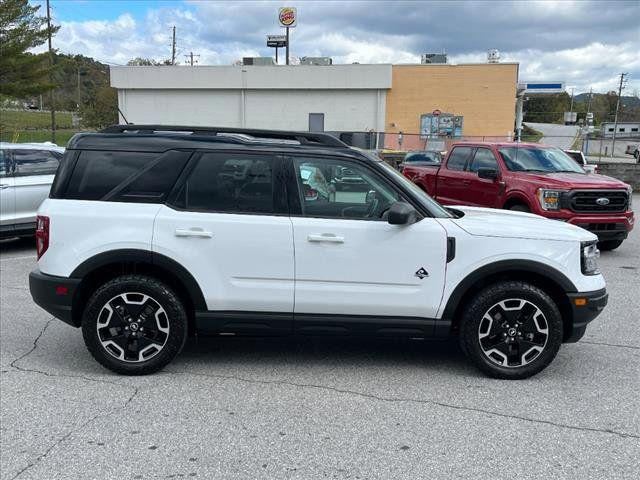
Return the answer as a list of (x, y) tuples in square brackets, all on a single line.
[(12, 120)]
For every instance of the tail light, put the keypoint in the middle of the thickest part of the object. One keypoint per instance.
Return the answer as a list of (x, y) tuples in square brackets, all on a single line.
[(42, 235)]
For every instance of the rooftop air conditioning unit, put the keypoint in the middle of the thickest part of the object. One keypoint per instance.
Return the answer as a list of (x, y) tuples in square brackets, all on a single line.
[(316, 61)]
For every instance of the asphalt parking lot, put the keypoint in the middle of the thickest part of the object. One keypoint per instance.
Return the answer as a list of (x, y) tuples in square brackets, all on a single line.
[(277, 408)]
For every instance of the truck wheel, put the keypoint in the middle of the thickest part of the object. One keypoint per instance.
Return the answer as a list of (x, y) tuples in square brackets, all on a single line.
[(519, 208), (609, 245), (134, 325), (511, 330)]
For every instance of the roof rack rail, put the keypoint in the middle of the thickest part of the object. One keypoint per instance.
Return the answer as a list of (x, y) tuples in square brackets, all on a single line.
[(304, 138)]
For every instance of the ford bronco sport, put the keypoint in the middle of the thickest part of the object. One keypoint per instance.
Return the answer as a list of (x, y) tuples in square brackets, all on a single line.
[(152, 232)]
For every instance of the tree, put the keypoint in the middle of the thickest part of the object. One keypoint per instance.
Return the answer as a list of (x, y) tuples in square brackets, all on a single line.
[(21, 29), (102, 109), (146, 62)]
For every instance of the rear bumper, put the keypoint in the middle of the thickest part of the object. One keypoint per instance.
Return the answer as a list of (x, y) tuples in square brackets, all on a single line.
[(589, 309), (54, 294)]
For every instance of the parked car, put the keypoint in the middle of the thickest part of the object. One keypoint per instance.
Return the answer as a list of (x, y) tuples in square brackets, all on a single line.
[(633, 149), (579, 158), (26, 173), (530, 177), (430, 157), (146, 237)]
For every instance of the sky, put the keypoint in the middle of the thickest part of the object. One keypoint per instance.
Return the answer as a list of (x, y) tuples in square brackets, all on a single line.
[(586, 44)]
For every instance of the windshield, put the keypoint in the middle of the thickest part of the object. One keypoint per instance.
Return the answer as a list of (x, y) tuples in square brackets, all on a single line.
[(434, 207), (542, 159)]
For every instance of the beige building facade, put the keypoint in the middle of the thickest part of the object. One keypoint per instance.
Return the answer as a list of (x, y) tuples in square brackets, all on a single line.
[(443, 100)]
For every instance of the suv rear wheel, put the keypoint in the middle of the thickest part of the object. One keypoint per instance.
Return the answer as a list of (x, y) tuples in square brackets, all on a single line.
[(511, 330), (134, 325)]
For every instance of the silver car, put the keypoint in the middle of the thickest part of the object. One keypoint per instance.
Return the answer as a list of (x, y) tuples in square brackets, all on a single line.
[(26, 174)]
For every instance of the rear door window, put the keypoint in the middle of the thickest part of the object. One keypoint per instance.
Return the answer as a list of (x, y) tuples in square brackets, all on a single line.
[(35, 162), (234, 183), (458, 158)]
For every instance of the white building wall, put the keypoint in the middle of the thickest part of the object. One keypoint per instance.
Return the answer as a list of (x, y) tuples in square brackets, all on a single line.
[(351, 97)]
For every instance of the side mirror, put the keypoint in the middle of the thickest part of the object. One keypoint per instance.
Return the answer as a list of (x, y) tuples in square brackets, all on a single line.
[(488, 173), (401, 213)]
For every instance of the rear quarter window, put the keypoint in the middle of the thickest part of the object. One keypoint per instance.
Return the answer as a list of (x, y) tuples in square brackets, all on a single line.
[(125, 176)]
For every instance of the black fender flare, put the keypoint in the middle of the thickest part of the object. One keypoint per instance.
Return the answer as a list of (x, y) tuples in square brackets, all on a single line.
[(145, 256), (504, 266)]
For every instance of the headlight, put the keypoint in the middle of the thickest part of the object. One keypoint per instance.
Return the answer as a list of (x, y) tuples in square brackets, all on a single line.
[(589, 258), (549, 199)]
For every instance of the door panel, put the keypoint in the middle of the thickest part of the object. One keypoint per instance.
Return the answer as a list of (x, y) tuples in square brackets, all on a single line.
[(7, 203), (481, 192), (351, 265), (30, 192), (452, 179), (229, 229), (241, 262), (368, 267)]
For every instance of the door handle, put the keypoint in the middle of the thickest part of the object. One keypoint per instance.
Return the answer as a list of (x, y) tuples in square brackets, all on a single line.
[(466, 183), (325, 237), (193, 232), (3, 186)]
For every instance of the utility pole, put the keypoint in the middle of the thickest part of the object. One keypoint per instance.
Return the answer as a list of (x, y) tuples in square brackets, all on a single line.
[(590, 97), (190, 58), (615, 121), (51, 95), (78, 88), (173, 47)]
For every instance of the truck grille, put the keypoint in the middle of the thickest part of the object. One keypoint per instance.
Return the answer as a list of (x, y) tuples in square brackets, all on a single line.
[(592, 201)]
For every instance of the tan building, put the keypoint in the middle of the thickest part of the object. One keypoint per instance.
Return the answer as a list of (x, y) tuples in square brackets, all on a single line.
[(439, 100)]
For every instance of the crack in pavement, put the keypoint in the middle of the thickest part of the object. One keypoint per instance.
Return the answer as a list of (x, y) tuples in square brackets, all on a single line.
[(617, 345), (111, 411), (409, 400), (14, 363), (44, 455)]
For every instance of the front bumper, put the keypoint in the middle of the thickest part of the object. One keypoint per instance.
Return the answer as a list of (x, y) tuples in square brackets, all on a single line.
[(585, 307), (54, 294)]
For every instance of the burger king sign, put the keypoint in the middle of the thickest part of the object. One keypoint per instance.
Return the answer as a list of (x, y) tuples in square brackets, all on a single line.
[(287, 17)]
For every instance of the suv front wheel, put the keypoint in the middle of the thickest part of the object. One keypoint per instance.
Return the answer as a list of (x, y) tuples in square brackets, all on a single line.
[(511, 330), (134, 325)]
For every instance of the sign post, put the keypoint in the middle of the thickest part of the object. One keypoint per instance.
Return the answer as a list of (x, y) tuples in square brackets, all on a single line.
[(288, 17), (276, 41)]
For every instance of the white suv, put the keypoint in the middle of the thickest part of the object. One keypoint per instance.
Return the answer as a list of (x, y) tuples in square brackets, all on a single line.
[(26, 174), (153, 232)]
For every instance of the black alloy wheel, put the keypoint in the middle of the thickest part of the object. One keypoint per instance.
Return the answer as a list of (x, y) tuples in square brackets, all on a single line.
[(134, 325), (511, 330)]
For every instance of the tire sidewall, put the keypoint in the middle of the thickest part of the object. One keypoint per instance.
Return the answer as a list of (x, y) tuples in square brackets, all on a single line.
[(174, 309), (489, 297)]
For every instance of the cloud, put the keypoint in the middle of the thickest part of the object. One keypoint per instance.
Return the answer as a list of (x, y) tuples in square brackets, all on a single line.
[(584, 43)]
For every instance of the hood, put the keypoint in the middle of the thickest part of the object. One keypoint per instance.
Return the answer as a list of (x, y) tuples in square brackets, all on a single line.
[(491, 222), (571, 181)]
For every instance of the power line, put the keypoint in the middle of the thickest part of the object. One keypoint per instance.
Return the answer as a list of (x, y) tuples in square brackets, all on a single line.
[(190, 58)]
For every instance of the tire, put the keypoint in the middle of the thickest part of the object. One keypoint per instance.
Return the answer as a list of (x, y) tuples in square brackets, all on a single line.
[(607, 245), (513, 349), (519, 208), (134, 325)]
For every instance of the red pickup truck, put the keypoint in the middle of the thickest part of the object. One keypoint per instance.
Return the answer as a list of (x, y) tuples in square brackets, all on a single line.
[(529, 177)]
